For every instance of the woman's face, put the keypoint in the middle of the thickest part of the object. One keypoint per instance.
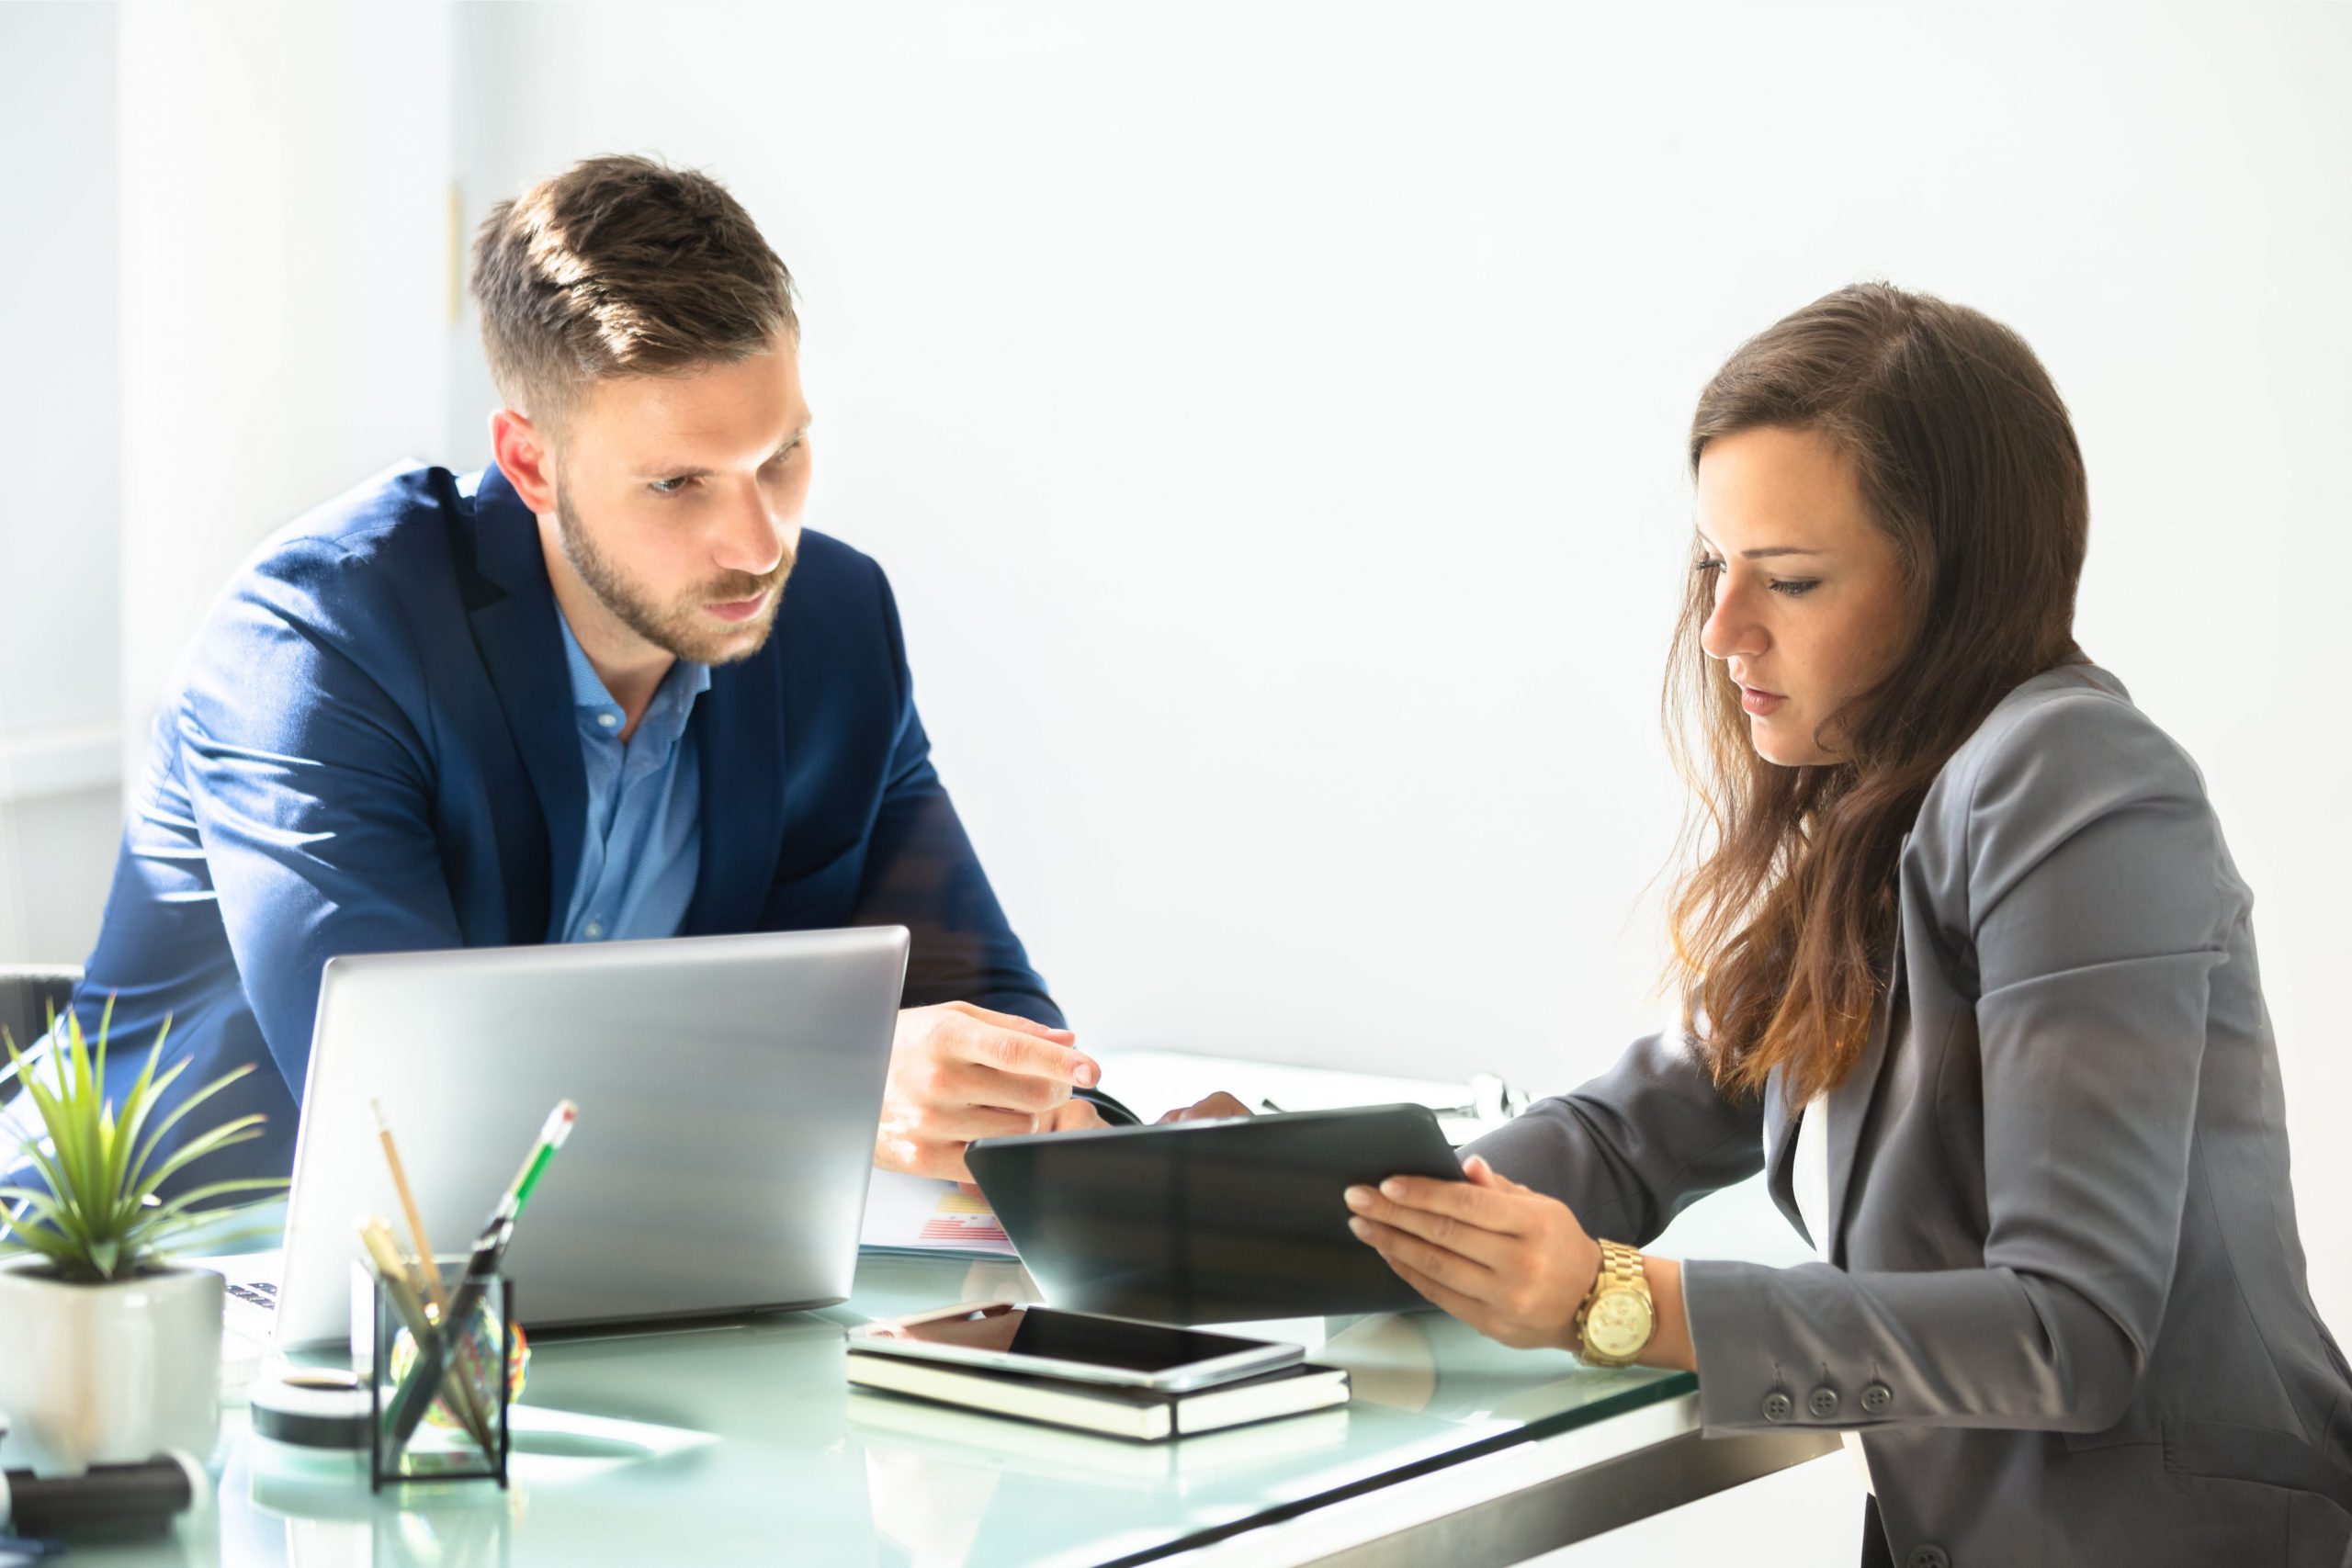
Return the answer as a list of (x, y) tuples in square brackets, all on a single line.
[(1810, 606)]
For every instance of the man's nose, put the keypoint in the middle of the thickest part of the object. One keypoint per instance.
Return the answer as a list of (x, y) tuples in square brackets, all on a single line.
[(752, 540)]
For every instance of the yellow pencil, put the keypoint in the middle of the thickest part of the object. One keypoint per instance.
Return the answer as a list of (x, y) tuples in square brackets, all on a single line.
[(428, 1270)]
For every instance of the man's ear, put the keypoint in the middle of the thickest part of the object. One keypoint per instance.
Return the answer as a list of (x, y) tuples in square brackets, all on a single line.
[(525, 459)]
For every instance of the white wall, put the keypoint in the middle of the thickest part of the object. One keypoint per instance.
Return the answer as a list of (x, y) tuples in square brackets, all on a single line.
[(225, 294), (60, 562), (1269, 416), (284, 320)]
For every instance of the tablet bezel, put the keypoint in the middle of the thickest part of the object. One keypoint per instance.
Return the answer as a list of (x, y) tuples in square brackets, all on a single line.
[(1107, 1221)]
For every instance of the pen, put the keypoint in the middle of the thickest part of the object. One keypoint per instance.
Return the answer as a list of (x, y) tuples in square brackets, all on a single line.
[(489, 1247)]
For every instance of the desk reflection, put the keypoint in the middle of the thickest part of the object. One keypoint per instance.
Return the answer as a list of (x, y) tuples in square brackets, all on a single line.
[(1439, 1366)]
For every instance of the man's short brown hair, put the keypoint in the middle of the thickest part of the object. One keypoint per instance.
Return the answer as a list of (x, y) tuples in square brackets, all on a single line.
[(621, 266)]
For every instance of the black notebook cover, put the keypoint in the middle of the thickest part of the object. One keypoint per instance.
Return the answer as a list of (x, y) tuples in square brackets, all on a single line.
[(1123, 1411)]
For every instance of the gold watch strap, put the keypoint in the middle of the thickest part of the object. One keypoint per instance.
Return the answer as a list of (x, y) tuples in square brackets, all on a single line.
[(1622, 1264), (1621, 1270)]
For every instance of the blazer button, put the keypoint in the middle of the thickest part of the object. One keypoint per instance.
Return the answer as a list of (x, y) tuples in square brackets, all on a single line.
[(1778, 1405), (1926, 1557), (1823, 1402), (1877, 1397)]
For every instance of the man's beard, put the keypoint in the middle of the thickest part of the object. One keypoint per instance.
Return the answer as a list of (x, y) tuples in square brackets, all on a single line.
[(681, 631)]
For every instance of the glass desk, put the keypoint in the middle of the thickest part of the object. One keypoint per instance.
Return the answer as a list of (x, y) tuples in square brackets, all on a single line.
[(744, 1443)]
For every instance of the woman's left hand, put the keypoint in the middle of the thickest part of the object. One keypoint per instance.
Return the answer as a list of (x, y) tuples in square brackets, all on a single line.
[(1504, 1259)]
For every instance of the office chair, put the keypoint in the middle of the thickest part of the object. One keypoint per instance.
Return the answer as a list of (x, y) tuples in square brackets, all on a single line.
[(27, 992)]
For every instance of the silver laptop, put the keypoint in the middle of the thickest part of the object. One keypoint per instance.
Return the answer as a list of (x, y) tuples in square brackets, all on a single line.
[(729, 1090)]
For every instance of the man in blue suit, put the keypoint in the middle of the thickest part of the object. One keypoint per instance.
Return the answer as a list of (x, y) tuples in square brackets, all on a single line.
[(607, 688)]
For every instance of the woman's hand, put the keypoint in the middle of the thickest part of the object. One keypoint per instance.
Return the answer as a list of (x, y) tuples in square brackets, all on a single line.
[(1504, 1259)]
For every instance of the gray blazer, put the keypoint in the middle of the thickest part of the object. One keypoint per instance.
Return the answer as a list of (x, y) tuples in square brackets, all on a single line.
[(2066, 1304)]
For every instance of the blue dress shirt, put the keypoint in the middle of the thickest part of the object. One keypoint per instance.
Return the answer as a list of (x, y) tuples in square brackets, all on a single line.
[(639, 856)]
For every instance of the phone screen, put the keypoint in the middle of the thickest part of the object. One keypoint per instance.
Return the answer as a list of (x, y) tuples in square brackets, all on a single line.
[(1075, 1336)]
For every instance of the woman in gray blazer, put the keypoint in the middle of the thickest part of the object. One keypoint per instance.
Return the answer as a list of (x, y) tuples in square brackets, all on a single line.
[(1968, 971)]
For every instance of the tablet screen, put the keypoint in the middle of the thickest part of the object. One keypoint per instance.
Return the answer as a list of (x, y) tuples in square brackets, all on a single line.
[(1074, 1336)]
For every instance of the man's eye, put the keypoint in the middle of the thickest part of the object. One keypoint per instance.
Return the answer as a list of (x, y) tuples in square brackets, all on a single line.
[(1796, 587), (669, 487)]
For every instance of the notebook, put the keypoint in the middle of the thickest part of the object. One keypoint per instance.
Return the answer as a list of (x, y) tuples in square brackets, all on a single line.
[(1146, 1414)]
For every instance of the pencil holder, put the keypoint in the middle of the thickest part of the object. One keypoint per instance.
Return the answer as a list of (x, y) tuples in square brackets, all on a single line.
[(455, 1426)]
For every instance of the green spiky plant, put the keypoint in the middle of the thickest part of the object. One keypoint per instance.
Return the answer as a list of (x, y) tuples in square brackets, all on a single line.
[(101, 1221)]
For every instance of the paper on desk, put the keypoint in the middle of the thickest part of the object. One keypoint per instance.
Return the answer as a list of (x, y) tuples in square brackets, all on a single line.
[(914, 1214)]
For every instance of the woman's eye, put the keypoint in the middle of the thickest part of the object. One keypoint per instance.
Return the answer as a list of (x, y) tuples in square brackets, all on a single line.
[(1794, 588)]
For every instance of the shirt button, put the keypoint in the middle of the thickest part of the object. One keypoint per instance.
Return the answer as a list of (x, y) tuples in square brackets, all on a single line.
[(1877, 1397), (1777, 1406), (1823, 1402), (1926, 1557), (594, 929), (609, 721)]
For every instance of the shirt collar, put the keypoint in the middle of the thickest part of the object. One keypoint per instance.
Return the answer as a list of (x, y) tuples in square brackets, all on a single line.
[(672, 701)]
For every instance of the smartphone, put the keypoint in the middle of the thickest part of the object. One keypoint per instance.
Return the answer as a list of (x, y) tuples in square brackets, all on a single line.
[(1004, 1336)]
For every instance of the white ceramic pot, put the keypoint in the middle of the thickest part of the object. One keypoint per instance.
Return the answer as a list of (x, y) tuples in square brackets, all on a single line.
[(108, 1374)]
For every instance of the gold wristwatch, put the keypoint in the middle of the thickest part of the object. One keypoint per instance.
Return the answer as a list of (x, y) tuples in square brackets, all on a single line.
[(1617, 1316)]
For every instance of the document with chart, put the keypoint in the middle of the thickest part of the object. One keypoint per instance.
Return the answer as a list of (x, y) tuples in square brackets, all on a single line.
[(915, 1214)]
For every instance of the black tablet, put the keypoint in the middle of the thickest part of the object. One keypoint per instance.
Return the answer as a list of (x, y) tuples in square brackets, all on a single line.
[(1209, 1221)]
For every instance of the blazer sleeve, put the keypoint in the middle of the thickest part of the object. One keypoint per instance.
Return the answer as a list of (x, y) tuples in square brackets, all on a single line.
[(922, 873), (2099, 905), (311, 790), (1636, 1147)]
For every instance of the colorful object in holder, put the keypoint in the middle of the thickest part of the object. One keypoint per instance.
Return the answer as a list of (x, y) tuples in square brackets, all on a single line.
[(474, 1369)]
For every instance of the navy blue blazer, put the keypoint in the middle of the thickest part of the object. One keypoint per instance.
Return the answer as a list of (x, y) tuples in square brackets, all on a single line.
[(370, 747)]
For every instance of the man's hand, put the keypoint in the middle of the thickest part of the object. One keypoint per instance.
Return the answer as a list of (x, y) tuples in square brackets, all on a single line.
[(959, 1072), (1076, 1115), (1072, 1115), (1219, 1104), (1505, 1259)]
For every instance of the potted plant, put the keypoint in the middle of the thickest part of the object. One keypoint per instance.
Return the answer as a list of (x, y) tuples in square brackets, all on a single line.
[(108, 1352)]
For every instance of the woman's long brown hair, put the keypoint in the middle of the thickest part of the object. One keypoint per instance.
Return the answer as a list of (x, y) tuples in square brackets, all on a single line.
[(1968, 463)]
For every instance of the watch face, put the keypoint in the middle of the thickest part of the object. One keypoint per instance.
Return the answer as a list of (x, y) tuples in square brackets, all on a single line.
[(1619, 1323)]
